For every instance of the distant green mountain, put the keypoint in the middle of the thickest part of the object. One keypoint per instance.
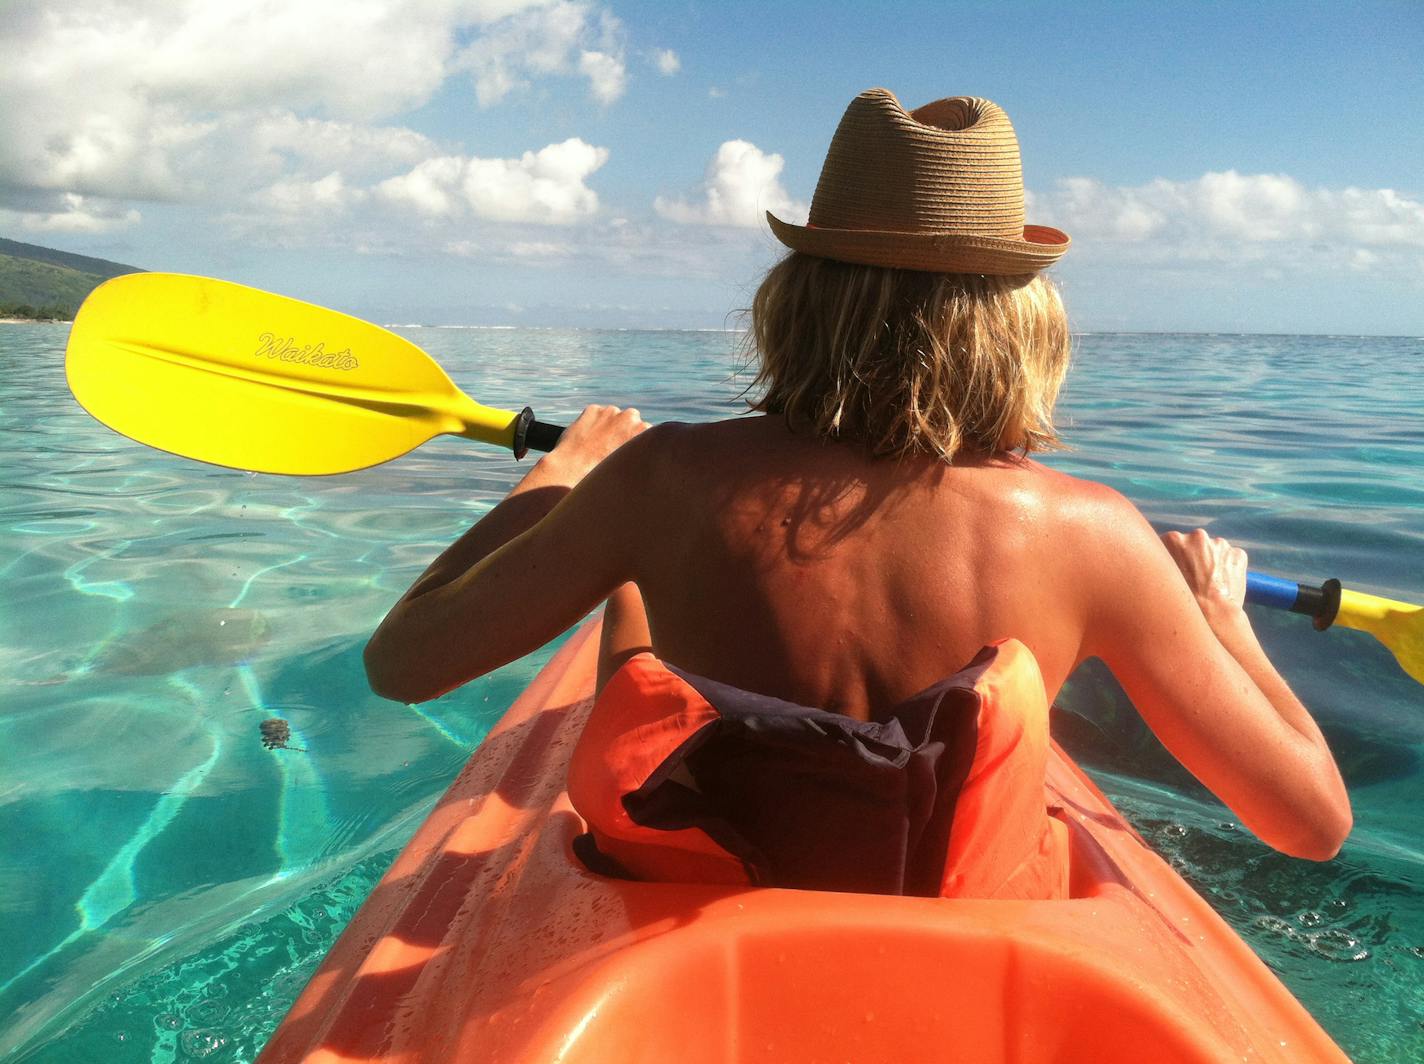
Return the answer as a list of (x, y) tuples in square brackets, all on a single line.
[(43, 283)]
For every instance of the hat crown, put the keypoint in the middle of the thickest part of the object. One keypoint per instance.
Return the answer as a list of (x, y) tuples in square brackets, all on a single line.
[(949, 167)]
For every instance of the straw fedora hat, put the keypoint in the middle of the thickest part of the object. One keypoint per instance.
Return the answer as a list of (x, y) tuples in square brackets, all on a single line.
[(939, 188)]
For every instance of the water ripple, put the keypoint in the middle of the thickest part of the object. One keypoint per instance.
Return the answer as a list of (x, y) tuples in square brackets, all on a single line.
[(191, 878)]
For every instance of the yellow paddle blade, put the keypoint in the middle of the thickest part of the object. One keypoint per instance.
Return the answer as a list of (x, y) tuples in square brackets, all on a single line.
[(1398, 625), (242, 378)]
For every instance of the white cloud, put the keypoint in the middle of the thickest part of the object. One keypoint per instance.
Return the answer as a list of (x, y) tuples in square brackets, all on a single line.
[(69, 212), (281, 140), (742, 183), (1232, 216), (564, 38), (431, 188), (107, 96), (538, 249), (667, 62), (524, 251), (1363, 259), (327, 195), (546, 186), (606, 75), (270, 105)]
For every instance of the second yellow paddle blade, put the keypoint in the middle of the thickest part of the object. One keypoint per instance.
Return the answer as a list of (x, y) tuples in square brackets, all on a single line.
[(1398, 625), (238, 377)]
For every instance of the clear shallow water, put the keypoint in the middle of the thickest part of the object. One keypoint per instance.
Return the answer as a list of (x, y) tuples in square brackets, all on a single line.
[(167, 884)]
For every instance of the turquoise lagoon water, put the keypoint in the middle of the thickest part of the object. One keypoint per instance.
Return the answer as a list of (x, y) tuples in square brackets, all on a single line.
[(167, 884)]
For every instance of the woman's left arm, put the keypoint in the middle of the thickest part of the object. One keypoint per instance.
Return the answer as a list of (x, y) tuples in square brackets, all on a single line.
[(530, 568)]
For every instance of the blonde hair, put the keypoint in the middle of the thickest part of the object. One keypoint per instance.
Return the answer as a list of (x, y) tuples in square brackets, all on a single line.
[(906, 362)]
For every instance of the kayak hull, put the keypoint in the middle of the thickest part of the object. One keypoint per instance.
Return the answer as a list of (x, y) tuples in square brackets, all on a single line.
[(487, 941)]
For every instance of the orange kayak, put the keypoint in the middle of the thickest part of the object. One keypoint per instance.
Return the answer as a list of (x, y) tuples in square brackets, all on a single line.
[(488, 941)]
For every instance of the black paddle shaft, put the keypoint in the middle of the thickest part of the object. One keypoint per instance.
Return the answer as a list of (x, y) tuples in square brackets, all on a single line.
[(530, 434)]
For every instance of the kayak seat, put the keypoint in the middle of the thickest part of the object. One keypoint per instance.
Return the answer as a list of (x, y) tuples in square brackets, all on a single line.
[(685, 779)]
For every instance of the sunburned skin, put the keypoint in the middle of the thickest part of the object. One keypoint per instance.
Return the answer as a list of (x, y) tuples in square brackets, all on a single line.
[(805, 570)]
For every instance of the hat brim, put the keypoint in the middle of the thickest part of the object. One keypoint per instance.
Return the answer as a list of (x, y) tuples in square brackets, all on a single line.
[(1040, 248)]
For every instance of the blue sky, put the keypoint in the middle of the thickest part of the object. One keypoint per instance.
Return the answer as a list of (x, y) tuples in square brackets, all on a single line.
[(1221, 167)]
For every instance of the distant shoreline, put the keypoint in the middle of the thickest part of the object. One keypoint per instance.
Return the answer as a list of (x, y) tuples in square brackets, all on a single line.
[(36, 321)]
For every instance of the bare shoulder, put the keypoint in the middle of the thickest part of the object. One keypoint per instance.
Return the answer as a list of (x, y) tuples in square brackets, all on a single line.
[(644, 460), (637, 494), (1115, 562), (1100, 535), (1070, 489), (674, 453), (1082, 505)]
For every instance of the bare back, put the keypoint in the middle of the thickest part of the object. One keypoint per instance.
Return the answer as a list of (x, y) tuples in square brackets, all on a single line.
[(806, 570)]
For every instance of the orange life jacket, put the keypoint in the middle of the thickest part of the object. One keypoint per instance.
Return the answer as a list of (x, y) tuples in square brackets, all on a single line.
[(684, 779)]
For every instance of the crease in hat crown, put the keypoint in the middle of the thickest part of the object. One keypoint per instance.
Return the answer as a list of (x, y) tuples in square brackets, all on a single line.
[(939, 189)]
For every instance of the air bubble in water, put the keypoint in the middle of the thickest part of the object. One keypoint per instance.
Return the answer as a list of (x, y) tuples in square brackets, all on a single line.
[(207, 1012), (202, 1043), (1338, 945), (1277, 925)]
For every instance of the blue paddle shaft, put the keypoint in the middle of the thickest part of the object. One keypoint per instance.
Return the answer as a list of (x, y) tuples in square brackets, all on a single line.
[(1320, 604), (1273, 591)]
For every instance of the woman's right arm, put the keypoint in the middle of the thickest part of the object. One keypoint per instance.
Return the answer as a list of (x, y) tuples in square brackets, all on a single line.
[(1180, 643)]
